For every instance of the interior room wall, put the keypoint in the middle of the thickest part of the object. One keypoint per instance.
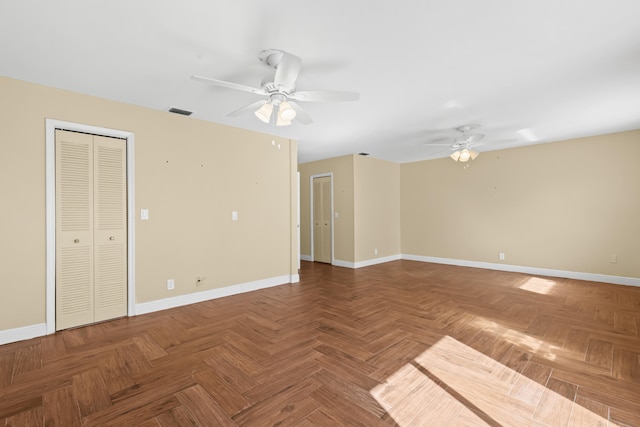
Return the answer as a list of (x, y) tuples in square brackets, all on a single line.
[(571, 205), (190, 174), (343, 204), (376, 208), (367, 203)]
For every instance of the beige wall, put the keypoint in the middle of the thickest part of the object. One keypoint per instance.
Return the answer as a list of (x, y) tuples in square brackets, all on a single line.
[(190, 174), (367, 200), (376, 208), (566, 205), (343, 199)]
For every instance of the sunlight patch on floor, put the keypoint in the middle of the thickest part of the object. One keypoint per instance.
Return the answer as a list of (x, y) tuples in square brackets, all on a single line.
[(538, 285), (523, 341), (453, 384)]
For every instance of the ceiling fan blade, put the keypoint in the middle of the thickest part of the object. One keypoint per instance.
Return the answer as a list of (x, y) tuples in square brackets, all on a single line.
[(468, 139), (230, 85), (495, 142), (324, 96), (301, 115), (248, 108), (474, 138), (439, 140), (287, 71)]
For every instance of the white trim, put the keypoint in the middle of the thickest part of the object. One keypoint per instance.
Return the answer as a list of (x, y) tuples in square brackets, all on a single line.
[(592, 277), (375, 261), (131, 227), (366, 263), (616, 280), (294, 278), (346, 264), (180, 300), (50, 136), (304, 257), (298, 220), (23, 333), (320, 175)]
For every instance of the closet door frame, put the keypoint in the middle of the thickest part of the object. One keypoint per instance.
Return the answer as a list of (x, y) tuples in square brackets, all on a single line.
[(51, 126), (311, 234)]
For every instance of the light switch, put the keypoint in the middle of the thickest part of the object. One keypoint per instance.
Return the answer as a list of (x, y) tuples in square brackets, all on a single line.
[(144, 214), (336, 215), (234, 216)]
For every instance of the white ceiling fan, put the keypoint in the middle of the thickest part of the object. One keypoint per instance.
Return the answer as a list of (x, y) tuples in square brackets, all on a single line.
[(462, 144), (280, 91)]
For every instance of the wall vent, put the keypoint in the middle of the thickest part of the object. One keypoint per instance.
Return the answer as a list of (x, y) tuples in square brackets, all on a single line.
[(363, 154), (180, 111)]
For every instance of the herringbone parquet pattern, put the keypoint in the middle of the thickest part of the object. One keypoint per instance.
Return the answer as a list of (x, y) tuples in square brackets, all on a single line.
[(402, 343)]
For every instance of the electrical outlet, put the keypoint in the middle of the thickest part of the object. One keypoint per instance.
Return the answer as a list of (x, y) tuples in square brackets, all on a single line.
[(171, 284), (613, 259), (375, 251), (501, 256)]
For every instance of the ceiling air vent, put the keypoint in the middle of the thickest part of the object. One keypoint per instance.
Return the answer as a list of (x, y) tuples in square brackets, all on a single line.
[(180, 111), (363, 154)]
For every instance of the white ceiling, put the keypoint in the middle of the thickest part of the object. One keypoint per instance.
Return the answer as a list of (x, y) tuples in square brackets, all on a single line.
[(527, 71)]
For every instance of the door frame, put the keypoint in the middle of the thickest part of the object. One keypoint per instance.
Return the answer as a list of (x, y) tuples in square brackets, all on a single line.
[(50, 138), (311, 178)]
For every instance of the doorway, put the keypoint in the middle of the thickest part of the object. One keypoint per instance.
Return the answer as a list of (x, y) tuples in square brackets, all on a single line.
[(322, 218), (90, 254)]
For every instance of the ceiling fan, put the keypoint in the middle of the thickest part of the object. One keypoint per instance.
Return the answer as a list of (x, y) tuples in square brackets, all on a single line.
[(280, 91), (462, 144)]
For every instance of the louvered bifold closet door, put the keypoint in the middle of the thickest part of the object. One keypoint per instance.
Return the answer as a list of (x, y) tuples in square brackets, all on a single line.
[(326, 219), (317, 220), (110, 227), (322, 219), (91, 229), (74, 229)]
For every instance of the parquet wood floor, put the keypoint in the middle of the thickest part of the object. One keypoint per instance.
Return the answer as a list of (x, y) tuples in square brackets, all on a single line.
[(402, 343)]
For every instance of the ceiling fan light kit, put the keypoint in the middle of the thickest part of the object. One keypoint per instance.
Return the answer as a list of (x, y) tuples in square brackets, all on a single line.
[(462, 144), (281, 122), (281, 91), (286, 112), (464, 155), (264, 112)]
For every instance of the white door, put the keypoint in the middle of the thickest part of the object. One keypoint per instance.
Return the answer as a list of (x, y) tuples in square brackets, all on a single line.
[(91, 229)]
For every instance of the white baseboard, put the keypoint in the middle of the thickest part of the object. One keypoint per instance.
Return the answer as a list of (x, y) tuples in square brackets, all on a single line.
[(375, 261), (294, 278), (23, 333), (305, 257), (358, 264), (346, 264), (616, 280), (180, 300)]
